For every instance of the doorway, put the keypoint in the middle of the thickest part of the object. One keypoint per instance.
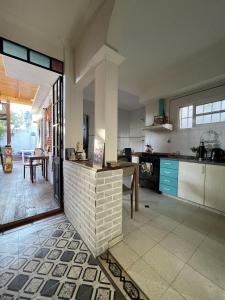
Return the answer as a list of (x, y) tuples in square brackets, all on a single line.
[(39, 127)]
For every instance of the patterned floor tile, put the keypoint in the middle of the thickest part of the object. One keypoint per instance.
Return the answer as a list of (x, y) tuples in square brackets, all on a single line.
[(67, 290), (59, 270), (49, 260)]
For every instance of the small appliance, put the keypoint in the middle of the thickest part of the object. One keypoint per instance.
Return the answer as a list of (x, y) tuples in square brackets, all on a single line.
[(217, 154)]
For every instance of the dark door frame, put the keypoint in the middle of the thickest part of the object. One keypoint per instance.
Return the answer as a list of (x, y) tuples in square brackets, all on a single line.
[(55, 66)]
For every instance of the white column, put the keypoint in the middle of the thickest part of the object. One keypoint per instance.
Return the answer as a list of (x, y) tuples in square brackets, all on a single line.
[(106, 107), (106, 104), (73, 104)]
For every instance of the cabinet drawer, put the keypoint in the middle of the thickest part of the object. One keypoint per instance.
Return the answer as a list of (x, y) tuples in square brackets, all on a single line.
[(173, 173), (168, 181), (168, 189), (169, 164)]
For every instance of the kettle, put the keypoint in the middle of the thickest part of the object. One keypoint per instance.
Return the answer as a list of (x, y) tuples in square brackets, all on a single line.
[(217, 154)]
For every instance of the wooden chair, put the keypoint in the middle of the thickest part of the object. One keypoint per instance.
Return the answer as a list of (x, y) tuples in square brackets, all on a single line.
[(127, 172), (36, 163)]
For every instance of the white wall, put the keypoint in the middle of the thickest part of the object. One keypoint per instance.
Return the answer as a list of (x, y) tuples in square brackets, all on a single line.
[(130, 129), (93, 37), (130, 124), (183, 139)]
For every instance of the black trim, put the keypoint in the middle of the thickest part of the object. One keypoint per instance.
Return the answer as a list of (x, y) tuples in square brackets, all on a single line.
[(28, 56)]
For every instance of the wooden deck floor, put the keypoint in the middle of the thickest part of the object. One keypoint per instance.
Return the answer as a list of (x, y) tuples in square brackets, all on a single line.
[(19, 198)]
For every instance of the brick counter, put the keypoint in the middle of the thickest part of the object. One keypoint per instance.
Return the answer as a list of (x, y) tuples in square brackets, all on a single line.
[(93, 204)]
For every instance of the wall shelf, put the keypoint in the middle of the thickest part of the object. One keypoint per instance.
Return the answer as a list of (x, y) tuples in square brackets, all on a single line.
[(163, 127)]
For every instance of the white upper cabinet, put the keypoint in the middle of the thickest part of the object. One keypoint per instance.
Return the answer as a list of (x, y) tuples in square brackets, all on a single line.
[(191, 181), (215, 187)]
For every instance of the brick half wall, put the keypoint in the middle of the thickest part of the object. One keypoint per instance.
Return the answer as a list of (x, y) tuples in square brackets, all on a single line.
[(93, 204)]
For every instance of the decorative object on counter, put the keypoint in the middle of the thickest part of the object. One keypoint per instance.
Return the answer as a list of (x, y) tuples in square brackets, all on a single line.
[(148, 148), (70, 154), (79, 151), (8, 159), (99, 153)]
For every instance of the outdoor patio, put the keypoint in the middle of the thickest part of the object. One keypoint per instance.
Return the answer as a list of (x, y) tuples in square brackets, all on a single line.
[(20, 198)]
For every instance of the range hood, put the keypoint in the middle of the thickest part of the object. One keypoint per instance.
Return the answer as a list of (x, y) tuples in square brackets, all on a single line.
[(162, 127)]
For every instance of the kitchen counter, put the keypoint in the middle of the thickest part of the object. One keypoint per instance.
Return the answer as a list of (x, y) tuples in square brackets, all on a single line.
[(89, 165), (192, 159)]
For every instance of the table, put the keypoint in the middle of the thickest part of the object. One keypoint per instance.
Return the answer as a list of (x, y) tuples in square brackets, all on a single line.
[(45, 159)]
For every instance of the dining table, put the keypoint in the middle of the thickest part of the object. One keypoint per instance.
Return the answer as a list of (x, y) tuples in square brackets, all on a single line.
[(32, 159)]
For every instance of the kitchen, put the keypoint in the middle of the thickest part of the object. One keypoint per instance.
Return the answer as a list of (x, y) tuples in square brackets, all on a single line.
[(179, 230)]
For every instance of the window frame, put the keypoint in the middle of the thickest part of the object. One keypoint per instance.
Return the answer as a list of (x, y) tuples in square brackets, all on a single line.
[(209, 113), (180, 118), (195, 115)]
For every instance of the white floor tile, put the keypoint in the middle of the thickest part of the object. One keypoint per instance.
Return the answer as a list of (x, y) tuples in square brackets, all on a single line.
[(165, 263), (210, 267), (138, 242), (194, 286), (124, 255), (172, 294), (180, 247), (151, 283)]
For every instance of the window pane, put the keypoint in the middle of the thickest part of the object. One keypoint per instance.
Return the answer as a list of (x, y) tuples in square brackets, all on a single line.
[(199, 119), (190, 111), (222, 118), (216, 117), (184, 123), (223, 104), (189, 122), (184, 112), (15, 50), (207, 118), (216, 106), (39, 59), (207, 107), (199, 109)]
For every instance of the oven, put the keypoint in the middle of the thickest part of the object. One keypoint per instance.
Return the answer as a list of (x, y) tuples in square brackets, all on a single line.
[(149, 168)]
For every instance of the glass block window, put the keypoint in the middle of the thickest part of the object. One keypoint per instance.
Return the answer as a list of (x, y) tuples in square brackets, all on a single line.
[(210, 112), (14, 50), (39, 59), (186, 116)]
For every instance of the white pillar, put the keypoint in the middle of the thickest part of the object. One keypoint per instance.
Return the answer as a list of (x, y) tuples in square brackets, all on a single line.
[(73, 104), (106, 107), (106, 101)]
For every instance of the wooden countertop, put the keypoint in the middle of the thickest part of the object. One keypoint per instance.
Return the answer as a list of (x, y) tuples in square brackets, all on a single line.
[(89, 164)]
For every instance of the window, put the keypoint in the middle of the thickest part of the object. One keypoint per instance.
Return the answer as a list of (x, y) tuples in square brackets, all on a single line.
[(186, 116), (210, 113)]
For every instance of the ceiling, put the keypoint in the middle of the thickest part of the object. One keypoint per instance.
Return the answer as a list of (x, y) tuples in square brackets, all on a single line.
[(56, 20), (32, 75), (126, 100), (157, 37), (15, 89)]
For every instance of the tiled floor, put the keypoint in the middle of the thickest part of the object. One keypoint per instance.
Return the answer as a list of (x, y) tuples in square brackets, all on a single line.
[(173, 250), (19, 198), (48, 260)]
